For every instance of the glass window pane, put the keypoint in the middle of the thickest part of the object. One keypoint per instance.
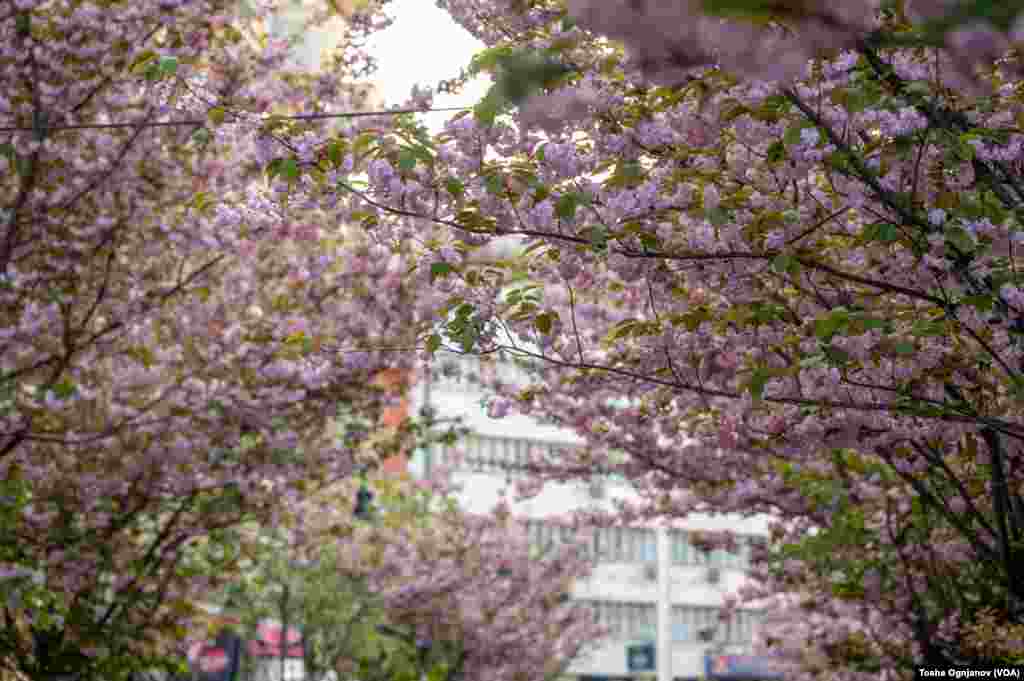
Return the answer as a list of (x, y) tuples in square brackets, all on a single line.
[(704, 619), (566, 534), (745, 553), (649, 548), (680, 547)]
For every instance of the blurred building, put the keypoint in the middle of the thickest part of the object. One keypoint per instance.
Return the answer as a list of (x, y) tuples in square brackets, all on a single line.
[(658, 594)]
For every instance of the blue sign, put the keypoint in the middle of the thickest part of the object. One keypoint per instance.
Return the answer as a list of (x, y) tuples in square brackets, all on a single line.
[(741, 668), (640, 658)]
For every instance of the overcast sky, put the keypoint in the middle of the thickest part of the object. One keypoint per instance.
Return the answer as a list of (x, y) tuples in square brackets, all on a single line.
[(424, 46)]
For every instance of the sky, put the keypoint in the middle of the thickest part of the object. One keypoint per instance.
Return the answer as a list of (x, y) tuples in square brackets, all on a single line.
[(425, 46)]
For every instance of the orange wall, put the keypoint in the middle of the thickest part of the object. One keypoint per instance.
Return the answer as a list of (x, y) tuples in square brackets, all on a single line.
[(397, 380)]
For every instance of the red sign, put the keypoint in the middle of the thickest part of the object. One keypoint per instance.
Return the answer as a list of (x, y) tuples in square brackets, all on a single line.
[(742, 667), (268, 641), (216, 660), (213, 660)]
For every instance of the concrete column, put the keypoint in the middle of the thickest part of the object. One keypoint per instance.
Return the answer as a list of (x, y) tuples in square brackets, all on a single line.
[(664, 643)]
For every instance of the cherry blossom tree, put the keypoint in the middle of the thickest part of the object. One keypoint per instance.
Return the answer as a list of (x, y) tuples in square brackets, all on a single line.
[(769, 256), (463, 589), (179, 329), (414, 587)]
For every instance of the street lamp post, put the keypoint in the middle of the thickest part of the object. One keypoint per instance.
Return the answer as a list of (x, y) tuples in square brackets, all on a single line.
[(422, 651)]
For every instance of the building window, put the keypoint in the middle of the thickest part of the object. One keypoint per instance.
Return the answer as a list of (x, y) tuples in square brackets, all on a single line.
[(626, 621), (680, 547), (649, 547), (689, 621), (685, 553), (485, 454), (620, 544)]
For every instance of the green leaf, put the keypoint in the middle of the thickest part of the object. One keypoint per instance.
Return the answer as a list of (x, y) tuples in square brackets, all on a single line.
[(881, 231), (826, 327), (838, 160), (776, 152), (455, 187), (202, 137), (812, 362), (959, 237), (598, 238), (23, 24), (627, 174), (524, 72), (1017, 389), (649, 241), (64, 389), (168, 66), (928, 328), (406, 159), (904, 348), (758, 379), (758, 10), (336, 152), (216, 115), (719, 216), (962, 147), (494, 183), (921, 88), (23, 165), (544, 322), (488, 60), (439, 270), (566, 205), (836, 355), (488, 108), (433, 343), (290, 168), (980, 302), (151, 71), (872, 323), (785, 263), (792, 134)]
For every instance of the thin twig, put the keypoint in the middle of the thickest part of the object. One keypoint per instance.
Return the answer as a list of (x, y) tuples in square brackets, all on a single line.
[(266, 119)]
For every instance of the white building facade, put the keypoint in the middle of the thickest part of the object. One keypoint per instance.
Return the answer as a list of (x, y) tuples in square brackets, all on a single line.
[(658, 594)]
